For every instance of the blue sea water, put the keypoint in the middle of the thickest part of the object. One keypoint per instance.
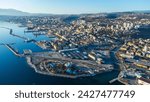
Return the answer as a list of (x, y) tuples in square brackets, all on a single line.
[(16, 71)]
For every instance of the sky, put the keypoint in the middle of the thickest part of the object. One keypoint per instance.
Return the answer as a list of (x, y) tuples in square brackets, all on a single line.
[(75, 6)]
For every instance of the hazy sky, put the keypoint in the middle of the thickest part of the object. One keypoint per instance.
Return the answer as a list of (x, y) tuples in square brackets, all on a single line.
[(75, 6)]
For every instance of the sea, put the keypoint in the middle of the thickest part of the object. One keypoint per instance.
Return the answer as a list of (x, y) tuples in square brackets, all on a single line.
[(15, 70)]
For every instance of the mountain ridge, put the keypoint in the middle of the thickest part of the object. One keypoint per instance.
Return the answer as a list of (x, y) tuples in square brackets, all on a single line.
[(14, 12)]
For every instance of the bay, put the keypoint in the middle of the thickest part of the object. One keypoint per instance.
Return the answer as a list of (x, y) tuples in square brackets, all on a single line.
[(16, 71)]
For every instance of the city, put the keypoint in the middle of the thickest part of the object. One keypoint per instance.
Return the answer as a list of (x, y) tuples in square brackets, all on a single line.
[(83, 43), (74, 42)]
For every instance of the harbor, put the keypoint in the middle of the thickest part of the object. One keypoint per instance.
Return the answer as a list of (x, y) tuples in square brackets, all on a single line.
[(25, 68)]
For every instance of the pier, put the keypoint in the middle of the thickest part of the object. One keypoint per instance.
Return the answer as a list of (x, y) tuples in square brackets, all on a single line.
[(13, 50), (11, 33), (5, 28), (113, 80), (11, 30), (19, 36), (22, 37)]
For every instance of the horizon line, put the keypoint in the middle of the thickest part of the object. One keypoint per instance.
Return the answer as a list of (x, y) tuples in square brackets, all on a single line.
[(74, 13)]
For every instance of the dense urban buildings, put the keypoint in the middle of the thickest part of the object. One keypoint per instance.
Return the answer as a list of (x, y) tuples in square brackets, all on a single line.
[(83, 44)]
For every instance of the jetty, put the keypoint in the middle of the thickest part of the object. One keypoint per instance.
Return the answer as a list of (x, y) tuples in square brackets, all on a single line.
[(113, 80), (15, 52)]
